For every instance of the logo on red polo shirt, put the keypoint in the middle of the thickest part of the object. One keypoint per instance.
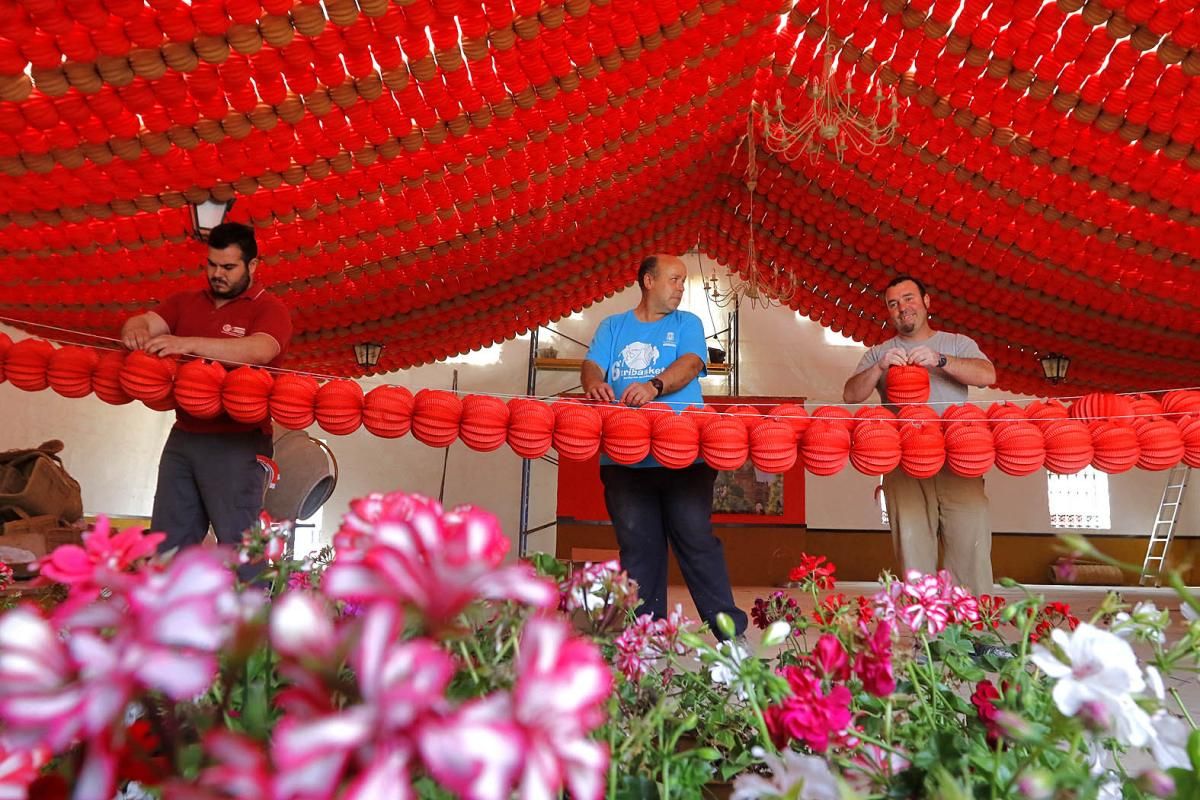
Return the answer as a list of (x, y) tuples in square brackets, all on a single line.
[(232, 330)]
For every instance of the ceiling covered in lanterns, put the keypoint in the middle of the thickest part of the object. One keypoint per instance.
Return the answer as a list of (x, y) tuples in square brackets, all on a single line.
[(441, 174)]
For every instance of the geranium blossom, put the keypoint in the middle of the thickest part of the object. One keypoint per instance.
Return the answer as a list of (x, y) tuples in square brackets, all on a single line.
[(925, 605), (647, 640), (399, 682), (1097, 666), (792, 775), (537, 738), (815, 571), (19, 768), (873, 665), (101, 562), (779, 606), (810, 714), (407, 550), (829, 658)]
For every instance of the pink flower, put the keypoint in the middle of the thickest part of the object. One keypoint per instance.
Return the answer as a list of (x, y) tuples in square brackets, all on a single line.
[(810, 715), (964, 606), (371, 743), (925, 605), (405, 549), (240, 771), (829, 658), (6, 575), (19, 768), (102, 559), (647, 640), (874, 663), (539, 736)]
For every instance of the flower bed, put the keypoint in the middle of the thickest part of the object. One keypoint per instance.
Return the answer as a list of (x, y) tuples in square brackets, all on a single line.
[(411, 661)]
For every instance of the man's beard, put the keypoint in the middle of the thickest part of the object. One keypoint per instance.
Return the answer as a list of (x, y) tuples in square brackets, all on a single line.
[(231, 290)]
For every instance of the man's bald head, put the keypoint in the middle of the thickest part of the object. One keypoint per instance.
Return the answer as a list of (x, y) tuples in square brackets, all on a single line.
[(651, 264)]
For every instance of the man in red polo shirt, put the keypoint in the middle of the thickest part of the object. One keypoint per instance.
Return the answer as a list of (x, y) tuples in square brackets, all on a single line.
[(209, 472)]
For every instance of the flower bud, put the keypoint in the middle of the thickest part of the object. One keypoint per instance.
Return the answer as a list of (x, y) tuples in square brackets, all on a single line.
[(1014, 727), (1156, 783), (776, 633), (1035, 785), (725, 625), (1095, 716)]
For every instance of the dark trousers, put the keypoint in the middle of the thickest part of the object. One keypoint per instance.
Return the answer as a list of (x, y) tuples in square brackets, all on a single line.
[(209, 479), (654, 506)]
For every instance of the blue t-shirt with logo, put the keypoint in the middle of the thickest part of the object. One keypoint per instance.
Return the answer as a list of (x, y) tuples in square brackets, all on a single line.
[(631, 351)]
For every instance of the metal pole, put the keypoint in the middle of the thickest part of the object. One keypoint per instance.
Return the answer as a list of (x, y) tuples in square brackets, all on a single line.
[(531, 391), (734, 368)]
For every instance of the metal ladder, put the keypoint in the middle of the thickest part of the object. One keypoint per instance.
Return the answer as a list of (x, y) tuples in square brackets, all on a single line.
[(1164, 524)]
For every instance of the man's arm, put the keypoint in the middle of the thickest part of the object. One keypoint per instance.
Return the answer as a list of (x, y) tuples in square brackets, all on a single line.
[(966, 370), (258, 348), (137, 331), (860, 385), (679, 374), (594, 385)]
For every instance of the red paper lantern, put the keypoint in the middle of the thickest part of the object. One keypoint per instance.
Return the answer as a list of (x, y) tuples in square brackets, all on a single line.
[(5, 343), (530, 427), (387, 411), (794, 415), (1005, 411), (875, 414), (293, 402), (1116, 446), (70, 370), (484, 425), (1189, 432), (1020, 448), (724, 443), (1101, 405), (964, 413), (27, 363), (922, 449), (826, 446), (437, 415), (773, 447), (161, 404), (907, 383), (836, 415), (1182, 401), (626, 436), (674, 440), (198, 388), (1160, 443), (246, 394), (1068, 445), (747, 415), (1046, 410), (577, 430), (1144, 405), (970, 451), (147, 378), (106, 380), (339, 407), (875, 449)]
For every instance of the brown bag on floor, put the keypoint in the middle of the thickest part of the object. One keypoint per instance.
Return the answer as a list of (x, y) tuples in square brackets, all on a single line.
[(35, 481)]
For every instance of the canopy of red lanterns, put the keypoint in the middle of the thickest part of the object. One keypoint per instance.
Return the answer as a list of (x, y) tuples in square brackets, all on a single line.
[(439, 175)]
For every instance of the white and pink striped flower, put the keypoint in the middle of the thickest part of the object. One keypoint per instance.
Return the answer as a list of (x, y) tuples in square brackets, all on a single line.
[(404, 549), (925, 605), (537, 738), (19, 767)]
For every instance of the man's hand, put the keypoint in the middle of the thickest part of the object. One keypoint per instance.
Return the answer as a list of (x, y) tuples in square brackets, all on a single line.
[(638, 394), (136, 338), (602, 392), (923, 357), (168, 345), (896, 357)]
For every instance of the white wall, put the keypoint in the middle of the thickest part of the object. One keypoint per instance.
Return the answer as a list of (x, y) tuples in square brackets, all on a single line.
[(113, 451)]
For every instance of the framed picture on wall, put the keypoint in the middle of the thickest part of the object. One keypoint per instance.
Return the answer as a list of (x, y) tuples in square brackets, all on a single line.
[(749, 491)]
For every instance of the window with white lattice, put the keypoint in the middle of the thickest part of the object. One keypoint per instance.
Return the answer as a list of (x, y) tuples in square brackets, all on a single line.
[(1079, 500)]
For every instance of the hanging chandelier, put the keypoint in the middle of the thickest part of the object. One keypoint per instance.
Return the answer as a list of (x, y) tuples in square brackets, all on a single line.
[(759, 286), (835, 121)]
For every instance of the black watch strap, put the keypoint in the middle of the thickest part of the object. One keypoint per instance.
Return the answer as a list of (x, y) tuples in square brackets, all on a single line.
[(941, 360), (658, 386)]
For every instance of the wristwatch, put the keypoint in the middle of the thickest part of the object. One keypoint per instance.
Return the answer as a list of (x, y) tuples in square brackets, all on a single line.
[(658, 386), (941, 360)]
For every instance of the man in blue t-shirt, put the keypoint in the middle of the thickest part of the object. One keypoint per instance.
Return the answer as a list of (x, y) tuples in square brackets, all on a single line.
[(656, 353)]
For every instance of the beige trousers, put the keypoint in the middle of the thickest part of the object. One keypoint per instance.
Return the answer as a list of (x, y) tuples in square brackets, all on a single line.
[(948, 508)]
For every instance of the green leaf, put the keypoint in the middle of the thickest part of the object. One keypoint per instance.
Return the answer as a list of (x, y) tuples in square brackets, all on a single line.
[(548, 566), (256, 711)]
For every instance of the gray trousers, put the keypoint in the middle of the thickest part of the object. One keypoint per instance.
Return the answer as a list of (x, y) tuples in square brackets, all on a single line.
[(209, 479), (948, 508)]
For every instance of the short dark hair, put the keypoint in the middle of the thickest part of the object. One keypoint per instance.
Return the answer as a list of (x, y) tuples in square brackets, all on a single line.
[(229, 233), (649, 266), (899, 279)]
